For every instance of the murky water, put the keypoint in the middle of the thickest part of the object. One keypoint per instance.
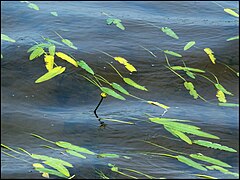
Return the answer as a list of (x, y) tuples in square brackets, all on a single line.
[(62, 108)]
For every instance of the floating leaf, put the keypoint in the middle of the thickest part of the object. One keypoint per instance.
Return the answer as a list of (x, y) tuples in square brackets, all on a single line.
[(233, 38), (228, 104), (189, 86), (74, 153), (69, 43), (67, 58), (38, 165), (158, 104), (179, 134), (58, 167), (121, 60), (110, 21), (190, 162), (221, 97), (54, 13), (52, 49), (49, 60), (53, 41), (162, 120), (213, 145), (189, 45), (42, 45), (49, 75), (119, 88), (85, 66), (205, 176), (112, 93), (134, 84), (50, 171), (68, 145), (116, 21), (36, 53), (7, 38), (231, 12), (108, 155), (210, 54), (202, 157), (120, 26), (33, 6), (221, 88), (130, 67), (179, 68), (172, 53), (169, 32)]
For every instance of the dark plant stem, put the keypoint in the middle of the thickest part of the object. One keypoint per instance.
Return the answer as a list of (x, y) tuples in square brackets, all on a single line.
[(95, 111)]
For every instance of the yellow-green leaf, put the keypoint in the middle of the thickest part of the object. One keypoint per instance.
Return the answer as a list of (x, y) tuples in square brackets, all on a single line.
[(233, 38), (33, 6), (69, 43), (221, 97), (158, 104), (179, 134), (190, 162), (134, 84), (172, 53), (67, 58), (58, 167), (121, 60), (213, 145), (169, 32), (221, 88), (52, 49), (103, 155), (210, 54), (49, 60), (52, 73), (36, 53), (231, 12), (112, 93), (119, 88), (50, 171), (228, 104), (74, 153), (130, 67), (54, 13), (7, 38), (189, 45)]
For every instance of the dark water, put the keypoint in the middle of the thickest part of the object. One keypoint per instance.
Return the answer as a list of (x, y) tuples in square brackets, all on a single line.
[(62, 108)]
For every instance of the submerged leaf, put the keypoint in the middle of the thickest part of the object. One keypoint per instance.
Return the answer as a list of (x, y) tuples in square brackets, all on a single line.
[(112, 93), (190, 162), (54, 13), (172, 53), (67, 58), (231, 12), (169, 32), (233, 38), (7, 38), (202, 157), (85, 66), (134, 84), (189, 45), (36, 53), (190, 74), (108, 155), (213, 145), (52, 49), (33, 6), (49, 60), (120, 26), (52, 73), (69, 43), (109, 21), (179, 68), (228, 104), (205, 176)]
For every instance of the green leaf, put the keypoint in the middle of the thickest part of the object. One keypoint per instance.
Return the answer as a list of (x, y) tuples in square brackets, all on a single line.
[(42, 45), (180, 135), (112, 93), (233, 38), (70, 146), (74, 153), (190, 74), (33, 6), (54, 13), (103, 155), (69, 43), (36, 53), (47, 158), (172, 53), (179, 68), (7, 38), (231, 12), (116, 21), (84, 65), (50, 74), (120, 26), (228, 104), (52, 49), (169, 32), (221, 88), (189, 86), (50, 171), (110, 21), (223, 170), (119, 88), (201, 157), (213, 145), (53, 41), (58, 167), (162, 120), (190, 162), (134, 84), (189, 45), (205, 176)]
